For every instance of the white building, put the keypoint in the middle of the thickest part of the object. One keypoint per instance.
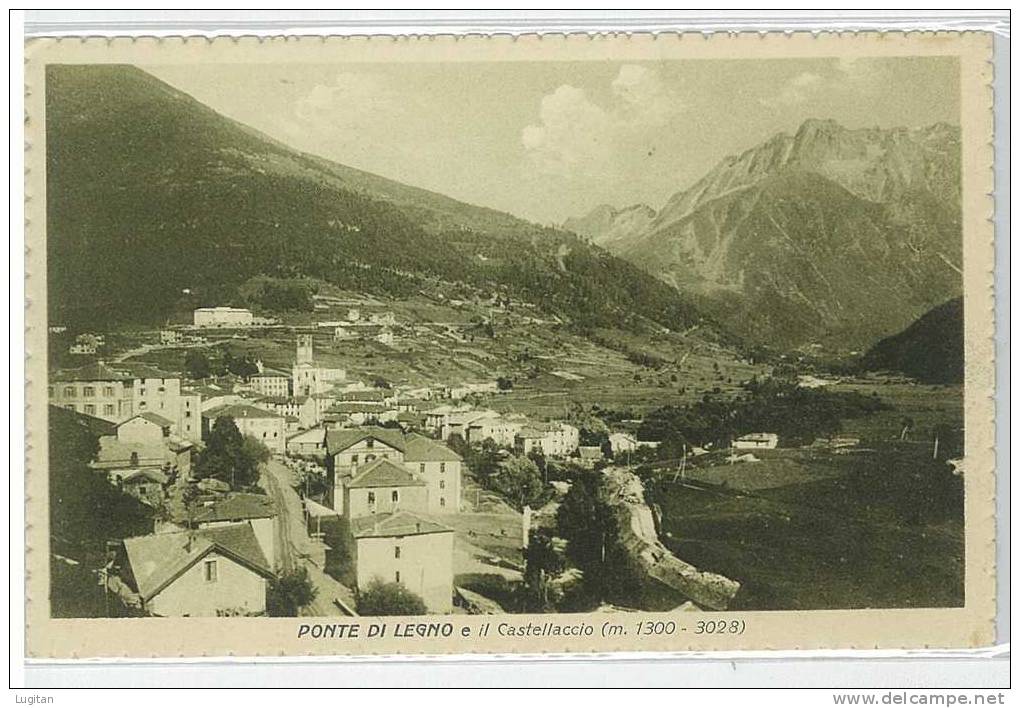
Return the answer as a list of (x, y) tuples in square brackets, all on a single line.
[(424, 459), (404, 548), (265, 426), (550, 439), (307, 378), (756, 441), (202, 573), (223, 317)]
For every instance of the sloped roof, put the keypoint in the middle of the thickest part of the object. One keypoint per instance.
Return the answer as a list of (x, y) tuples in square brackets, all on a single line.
[(372, 394), (97, 371), (338, 440), (152, 418), (316, 434), (238, 410), (400, 523), (150, 473), (141, 370), (357, 407), (269, 374), (159, 559), (422, 449), (384, 473), (237, 507)]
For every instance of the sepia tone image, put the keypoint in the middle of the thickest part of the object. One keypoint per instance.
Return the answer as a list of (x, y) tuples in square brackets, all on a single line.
[(347, 339)]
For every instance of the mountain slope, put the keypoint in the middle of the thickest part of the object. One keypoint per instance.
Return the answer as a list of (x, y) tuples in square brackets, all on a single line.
[(612, 228), (830, 235), (150, 193), (929, 350)]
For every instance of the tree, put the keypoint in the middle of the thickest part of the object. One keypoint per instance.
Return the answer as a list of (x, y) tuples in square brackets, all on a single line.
[(519, 481), (229, 458), (86, 512), (504, 383), (541, 562), (587, 522), (289, 592), (196, 363), (389, 599)]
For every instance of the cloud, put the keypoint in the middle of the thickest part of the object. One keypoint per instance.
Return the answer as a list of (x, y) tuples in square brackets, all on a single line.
[(799, 89), (352, 101), (575, 136)]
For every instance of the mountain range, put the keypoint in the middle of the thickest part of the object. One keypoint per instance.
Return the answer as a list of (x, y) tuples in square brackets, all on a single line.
[(151, 194), (827, 236)]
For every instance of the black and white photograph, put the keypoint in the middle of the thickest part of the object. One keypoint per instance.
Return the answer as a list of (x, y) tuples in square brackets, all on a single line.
[(655, 339)]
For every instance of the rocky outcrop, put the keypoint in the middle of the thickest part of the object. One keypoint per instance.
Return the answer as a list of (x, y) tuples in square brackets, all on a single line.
[(625, 494)]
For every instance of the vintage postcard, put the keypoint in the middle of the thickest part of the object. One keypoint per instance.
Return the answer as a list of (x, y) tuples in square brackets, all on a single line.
[(539, 344)]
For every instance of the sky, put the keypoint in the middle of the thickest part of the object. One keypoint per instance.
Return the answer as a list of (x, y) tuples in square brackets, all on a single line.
[(550, 140)]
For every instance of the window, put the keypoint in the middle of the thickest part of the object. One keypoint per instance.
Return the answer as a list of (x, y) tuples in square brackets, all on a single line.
[(395, 496), (88, 391), (442, 484), (396, 551), (134, 459), (142, 404), (371, 497), (90, 409), (396, 576), (210, 571), (141, 392), (442, 467), (369, 458), (354, 459), (442, 501), (421, 468), (108, 409), (187, 414), (370, 443), (263, 434), (108, 391), (69, 406), (69, 391)]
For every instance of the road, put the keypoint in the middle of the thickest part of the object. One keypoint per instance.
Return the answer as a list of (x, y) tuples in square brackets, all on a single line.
[(293, 546)]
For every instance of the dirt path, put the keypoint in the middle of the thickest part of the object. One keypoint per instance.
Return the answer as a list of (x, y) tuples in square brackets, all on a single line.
[(295, 548)]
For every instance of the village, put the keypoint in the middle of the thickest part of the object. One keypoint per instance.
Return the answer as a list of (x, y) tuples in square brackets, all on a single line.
[(304, 489)]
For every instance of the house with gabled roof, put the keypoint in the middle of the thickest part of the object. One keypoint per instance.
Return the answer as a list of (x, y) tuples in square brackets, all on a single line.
[(405, 548), (267, 427), (146, 427), (439, 467), (195, 573), (257, 510), (383, 486), (307, 443), (349, 449)]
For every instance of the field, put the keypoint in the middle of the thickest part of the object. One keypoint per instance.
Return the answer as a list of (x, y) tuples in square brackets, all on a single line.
[(812, 529)]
